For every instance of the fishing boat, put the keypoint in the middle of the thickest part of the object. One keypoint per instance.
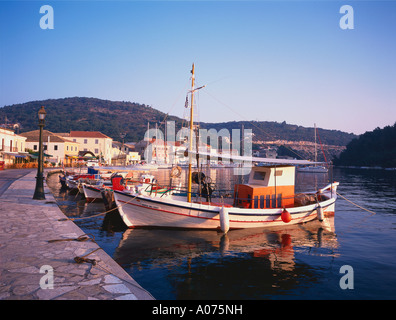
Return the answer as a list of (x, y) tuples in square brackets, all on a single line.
[(101, 189), (93, 190), (267, 199), (74, 181)]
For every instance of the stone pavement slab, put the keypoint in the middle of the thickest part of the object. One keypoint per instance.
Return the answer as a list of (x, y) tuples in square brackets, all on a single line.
[(32, 267)]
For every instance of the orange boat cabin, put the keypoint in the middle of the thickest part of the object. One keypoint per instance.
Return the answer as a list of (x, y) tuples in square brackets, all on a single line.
[(268, 187)]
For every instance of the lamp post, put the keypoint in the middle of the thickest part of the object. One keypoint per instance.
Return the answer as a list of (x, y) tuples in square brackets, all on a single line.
[(39, 191)]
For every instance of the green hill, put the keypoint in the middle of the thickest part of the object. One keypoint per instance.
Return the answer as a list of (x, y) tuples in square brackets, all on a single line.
[(373, 148), (86, 114), (116, 117), (271, 130)]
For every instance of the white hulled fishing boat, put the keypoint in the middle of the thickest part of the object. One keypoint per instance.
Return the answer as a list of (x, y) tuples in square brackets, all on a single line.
[(268, 199)]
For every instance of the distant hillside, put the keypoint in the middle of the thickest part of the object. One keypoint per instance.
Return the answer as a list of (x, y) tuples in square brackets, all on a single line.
[(267, 130), (86, 114), (116, 117), (374, 148)]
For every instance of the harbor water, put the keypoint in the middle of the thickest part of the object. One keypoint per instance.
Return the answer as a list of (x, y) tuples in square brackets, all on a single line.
[(348, 256)]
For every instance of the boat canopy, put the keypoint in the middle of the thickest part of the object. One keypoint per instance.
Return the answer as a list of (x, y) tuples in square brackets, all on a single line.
[(245, 159)]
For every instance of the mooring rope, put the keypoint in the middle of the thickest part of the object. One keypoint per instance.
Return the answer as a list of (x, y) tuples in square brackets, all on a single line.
[(99, 214), (84, 258), (94, 262), (81, 238), (373, 213), (93, 216)]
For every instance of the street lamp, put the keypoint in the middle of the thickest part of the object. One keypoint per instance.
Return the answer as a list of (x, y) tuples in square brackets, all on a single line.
[(39, 191)]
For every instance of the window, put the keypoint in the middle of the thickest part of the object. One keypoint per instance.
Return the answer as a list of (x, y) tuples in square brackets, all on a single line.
[(259, 175), (74, 140), (96, 141), (67, 148), (96, 150), (85, 141), (35, 147), (45, 147), (55, 147)]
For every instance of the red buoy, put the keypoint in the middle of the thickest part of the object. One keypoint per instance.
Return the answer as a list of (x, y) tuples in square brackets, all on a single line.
[(286, 216)]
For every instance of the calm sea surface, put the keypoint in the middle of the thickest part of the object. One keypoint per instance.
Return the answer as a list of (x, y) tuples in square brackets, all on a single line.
[(294, 262)]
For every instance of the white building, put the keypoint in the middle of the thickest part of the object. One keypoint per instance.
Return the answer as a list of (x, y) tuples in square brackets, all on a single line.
[(60, 150), (12, 146), (96, 142), (124, 154)]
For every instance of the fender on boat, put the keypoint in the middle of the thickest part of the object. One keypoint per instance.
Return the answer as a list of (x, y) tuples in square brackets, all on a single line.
[(224, 219), (286, 216), (320, 212)]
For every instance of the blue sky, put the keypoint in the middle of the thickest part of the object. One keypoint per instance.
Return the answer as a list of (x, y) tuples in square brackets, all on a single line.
[(261, 60)]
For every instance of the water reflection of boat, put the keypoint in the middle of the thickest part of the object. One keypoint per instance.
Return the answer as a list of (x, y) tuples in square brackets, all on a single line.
[(164, 247)]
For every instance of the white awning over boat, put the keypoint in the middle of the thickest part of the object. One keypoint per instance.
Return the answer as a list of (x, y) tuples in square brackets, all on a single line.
[(245, 159)]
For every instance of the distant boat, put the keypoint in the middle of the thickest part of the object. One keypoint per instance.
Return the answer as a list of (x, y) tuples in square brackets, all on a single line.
[(93, 190), (268, 199), (314, 168), (74, 181)]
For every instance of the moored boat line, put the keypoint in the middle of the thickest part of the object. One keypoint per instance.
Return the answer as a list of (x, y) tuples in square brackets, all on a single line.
[(268, 199)]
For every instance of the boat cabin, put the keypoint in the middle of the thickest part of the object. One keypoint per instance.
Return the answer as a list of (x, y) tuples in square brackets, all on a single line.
[(268, 187)]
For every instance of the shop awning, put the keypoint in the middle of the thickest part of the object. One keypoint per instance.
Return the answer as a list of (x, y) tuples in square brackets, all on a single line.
[(36, 154), (16, 154)]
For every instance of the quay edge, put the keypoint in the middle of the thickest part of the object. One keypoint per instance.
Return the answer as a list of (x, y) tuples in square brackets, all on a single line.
[(33, 267)]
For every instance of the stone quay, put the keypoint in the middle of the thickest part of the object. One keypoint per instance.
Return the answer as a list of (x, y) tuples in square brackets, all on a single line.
[(42, 259)]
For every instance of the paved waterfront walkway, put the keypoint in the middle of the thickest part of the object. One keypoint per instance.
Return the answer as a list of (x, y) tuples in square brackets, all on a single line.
[(30, 264)]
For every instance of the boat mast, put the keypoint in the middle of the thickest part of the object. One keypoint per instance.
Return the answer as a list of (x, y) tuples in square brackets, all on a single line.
[(191, 137), (316, 152), (148, 139)]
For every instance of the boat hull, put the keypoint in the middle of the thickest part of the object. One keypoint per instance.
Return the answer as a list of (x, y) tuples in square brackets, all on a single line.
[(145, 211), (92, 193)]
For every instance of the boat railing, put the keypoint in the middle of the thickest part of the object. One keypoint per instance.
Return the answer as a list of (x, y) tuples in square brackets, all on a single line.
[(229, 197), (257, 202)]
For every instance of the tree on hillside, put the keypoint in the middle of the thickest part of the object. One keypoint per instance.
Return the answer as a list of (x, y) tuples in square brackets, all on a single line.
[(374, 148)]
